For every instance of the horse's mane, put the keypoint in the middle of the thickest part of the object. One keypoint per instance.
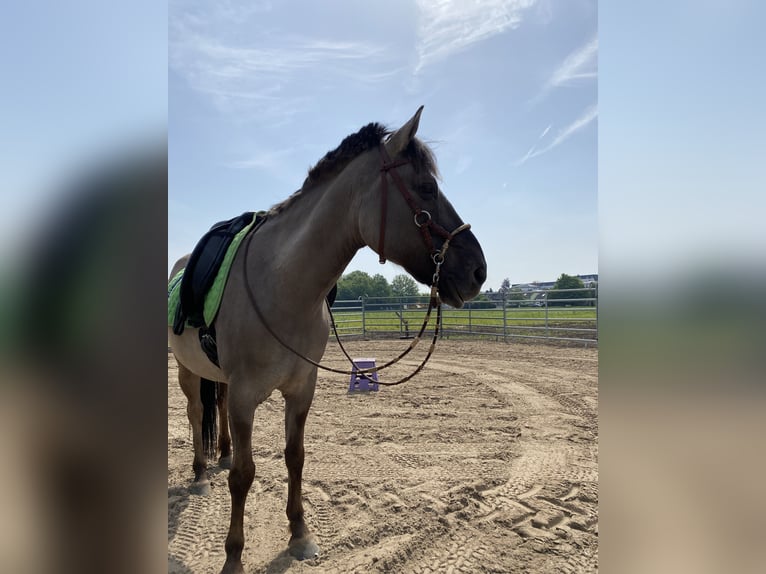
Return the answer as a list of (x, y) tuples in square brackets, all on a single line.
[(336, 160)]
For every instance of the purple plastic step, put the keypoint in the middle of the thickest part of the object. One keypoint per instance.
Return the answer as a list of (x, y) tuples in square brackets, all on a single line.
[(363, 382)]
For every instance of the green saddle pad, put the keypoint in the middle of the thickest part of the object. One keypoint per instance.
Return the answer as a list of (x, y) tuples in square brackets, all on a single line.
[(215, 294)]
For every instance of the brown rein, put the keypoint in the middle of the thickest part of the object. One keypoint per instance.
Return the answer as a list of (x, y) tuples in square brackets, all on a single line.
[(425, 224)]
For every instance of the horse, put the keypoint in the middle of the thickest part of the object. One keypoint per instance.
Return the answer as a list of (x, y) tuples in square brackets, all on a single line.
[(272, 324)]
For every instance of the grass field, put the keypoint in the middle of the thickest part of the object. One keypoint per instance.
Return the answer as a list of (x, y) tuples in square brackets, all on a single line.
[(572, 322)]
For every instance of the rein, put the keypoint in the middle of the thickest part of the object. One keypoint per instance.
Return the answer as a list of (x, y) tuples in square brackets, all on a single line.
[(426, 225)]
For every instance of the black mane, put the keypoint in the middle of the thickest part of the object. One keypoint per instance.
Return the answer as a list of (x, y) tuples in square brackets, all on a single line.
[(334, 161), (367, 138)]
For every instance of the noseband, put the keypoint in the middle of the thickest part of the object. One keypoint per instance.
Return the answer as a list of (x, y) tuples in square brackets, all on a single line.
[(422, 218)]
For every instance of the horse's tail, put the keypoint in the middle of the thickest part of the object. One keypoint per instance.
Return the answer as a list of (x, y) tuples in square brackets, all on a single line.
[(208, 392)]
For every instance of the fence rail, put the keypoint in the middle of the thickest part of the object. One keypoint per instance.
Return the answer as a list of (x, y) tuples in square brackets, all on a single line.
[(554, 315)]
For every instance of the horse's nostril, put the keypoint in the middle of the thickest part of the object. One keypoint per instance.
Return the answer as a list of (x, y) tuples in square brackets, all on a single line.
[(480, 274)]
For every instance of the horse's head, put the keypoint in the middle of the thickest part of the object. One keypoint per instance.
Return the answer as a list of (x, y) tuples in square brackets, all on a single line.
[(408, 219)]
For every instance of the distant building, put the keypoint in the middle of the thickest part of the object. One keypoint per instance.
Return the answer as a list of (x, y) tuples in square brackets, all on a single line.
[(534, 286), (588, 281)]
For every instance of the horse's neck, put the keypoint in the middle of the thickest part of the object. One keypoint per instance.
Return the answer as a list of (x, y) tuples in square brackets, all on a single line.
[(314, 240)]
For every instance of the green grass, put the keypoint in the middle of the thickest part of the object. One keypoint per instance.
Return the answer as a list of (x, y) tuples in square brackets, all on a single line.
[(518, 320)]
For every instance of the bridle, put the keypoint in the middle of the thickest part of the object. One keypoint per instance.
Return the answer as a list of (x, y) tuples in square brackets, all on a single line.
[(422, 218), (427, 226)]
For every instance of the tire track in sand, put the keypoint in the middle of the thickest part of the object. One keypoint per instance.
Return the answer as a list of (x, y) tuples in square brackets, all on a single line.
[(200, 533), (543, 499)]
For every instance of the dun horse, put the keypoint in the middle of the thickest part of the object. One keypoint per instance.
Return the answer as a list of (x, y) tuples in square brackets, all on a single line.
[(296, 256)]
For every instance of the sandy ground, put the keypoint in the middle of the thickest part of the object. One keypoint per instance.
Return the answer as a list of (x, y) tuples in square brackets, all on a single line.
[(485, 462)]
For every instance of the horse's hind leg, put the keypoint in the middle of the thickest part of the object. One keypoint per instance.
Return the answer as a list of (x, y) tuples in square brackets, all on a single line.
[(190, 385), (224, 438), (302, 545)]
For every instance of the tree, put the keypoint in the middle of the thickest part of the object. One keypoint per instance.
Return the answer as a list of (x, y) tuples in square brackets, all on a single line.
[(359, 284), (505, 288), (379, 286), (404, 286), (354, 285), (567, 282)]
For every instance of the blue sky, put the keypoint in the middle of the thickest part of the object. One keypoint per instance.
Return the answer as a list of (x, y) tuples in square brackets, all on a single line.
[(259, 91)]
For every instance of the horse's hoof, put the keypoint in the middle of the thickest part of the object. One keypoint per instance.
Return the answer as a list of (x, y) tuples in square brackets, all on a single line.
[(225, 462), (303, 549), (233, 568), (201, 487)]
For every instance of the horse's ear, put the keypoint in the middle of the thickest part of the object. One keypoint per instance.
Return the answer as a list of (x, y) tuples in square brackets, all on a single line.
[(401, 137)]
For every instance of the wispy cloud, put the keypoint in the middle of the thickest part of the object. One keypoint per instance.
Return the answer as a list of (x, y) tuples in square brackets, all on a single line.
[(237, 11), (203, 58), (588, 115), (450, 26), (534, 146), (581, 64), (258, 78)]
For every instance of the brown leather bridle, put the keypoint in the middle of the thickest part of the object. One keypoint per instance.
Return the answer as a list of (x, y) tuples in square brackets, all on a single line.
[(427, 226), (422, 218)]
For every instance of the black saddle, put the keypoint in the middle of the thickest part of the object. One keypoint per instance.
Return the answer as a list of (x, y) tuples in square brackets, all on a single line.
[(202, 267), (200, 272)]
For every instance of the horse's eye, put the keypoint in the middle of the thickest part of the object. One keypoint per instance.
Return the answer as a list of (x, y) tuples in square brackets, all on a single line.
[(429, 190)]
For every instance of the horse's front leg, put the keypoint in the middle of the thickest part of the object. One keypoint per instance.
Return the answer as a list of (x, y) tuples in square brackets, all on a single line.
[(297, 405)]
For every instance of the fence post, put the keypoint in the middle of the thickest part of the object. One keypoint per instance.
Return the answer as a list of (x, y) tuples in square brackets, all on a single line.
[(547, 335), (470, 326), (505, 320), (364, 318), (596, 305), (441, 326)]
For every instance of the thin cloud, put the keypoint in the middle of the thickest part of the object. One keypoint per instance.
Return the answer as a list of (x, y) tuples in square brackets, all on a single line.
[(450, 26), (582, 64), (202, 58), (534, 146), (526, 156), (579, 65), (590, 114), (237, 12), (242, 80)]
